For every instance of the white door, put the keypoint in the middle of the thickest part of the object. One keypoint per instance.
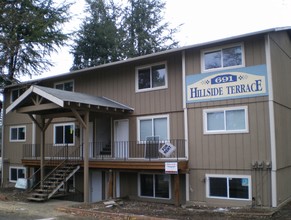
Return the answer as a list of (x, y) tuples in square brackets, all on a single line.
[(121, 138), (96, 186)]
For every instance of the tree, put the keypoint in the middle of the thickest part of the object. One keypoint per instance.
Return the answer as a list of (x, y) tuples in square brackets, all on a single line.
[(98, 40), (30, 30), (112, 33), (145, 31)]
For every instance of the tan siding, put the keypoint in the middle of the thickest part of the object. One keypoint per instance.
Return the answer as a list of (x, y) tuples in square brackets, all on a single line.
[(239, 150), (281, 66), (281, 51), (255, 52)]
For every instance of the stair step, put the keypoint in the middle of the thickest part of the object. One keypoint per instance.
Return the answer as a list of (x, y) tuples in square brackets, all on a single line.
[(36, 199), (38, 195), (51, 185)]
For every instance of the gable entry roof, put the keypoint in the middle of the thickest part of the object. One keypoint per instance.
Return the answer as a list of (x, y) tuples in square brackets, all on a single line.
[(43, 100)]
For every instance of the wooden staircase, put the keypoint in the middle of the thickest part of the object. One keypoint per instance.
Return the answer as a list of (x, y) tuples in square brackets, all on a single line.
[(53, 182)]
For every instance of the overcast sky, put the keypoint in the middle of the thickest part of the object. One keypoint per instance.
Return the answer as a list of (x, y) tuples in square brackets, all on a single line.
[(203, 21)]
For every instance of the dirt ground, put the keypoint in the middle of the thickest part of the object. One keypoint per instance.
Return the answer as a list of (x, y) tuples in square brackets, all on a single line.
[(158, 210)]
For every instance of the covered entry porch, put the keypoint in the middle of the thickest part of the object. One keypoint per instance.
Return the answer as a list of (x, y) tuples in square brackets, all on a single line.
[(44, 105)]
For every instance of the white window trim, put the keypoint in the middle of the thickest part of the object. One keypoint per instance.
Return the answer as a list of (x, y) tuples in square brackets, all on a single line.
[(154, 197), (228, 177), (205, 111), (18, 126), (66, 81), (149, 66), (16, 167), (152, 117), (221, 48), (64, 124), (19, 94)]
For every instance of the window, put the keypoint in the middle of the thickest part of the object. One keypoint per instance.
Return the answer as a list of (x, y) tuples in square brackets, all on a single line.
[(67, 86), (17, 133), (64, 134), (154, 185), (15, 93), (151, 77), (228, 187), (157, 126), (227, 57), (228, 120), (16, 172)]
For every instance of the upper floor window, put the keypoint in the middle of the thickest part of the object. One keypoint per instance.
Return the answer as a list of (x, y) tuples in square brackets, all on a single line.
[(225, 120), (67, 86), (64, 133), (15, 93), (220, 58), (151, 77), (17, 133), (153, 128)]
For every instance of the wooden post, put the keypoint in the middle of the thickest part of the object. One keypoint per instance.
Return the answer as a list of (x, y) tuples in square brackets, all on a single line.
[(177, 189), (86, 158), (42, 157), (110, 185)]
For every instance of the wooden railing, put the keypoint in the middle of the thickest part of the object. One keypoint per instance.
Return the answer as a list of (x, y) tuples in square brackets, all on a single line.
[(61, 157)]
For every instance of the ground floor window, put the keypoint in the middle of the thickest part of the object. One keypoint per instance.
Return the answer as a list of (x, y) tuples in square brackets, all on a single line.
[(16, 172), (228, 187), (154, 185)]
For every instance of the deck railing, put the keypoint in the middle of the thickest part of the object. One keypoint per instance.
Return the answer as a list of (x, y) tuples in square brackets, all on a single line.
[(120, 150)]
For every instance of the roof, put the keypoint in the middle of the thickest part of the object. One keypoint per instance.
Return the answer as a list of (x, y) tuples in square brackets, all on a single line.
[(65, 99), (174, 50)]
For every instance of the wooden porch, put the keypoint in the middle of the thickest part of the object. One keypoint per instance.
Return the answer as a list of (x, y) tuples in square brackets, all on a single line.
[(131, 155)]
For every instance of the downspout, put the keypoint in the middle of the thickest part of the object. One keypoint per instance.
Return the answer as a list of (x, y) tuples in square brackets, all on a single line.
[(185, 120), (2, 142), (272, 123)]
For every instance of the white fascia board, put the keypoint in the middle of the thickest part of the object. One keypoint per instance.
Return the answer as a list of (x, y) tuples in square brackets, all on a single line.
[(48, 96), (19, 100)]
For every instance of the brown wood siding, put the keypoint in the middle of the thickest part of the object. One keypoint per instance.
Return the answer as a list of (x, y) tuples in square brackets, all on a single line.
[(229, 151), (260, 181), (254, 55), (119, 84), (281, 65)]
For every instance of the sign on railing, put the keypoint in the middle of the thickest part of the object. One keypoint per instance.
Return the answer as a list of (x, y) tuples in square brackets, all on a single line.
[(167, 149)]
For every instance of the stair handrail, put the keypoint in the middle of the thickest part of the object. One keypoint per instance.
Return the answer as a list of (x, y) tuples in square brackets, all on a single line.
[(30, 179)]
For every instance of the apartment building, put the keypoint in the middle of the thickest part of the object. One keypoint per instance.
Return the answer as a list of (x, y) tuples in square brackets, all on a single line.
[(206, 123)]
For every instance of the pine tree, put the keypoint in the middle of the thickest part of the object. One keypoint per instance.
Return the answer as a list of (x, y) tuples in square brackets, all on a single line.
[(111, 33), (30, 30), (145, 31), (98, 40)]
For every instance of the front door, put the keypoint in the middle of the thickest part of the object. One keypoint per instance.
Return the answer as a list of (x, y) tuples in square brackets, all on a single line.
[(121, 137)]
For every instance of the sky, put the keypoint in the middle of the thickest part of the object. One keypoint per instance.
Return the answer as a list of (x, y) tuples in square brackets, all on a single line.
[(202, 21)]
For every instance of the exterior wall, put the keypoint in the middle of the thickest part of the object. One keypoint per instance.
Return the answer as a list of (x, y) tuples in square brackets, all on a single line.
[(224, 154), (280, 46), (119, 84), (12, 152), (129, 187), (230, 154)]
